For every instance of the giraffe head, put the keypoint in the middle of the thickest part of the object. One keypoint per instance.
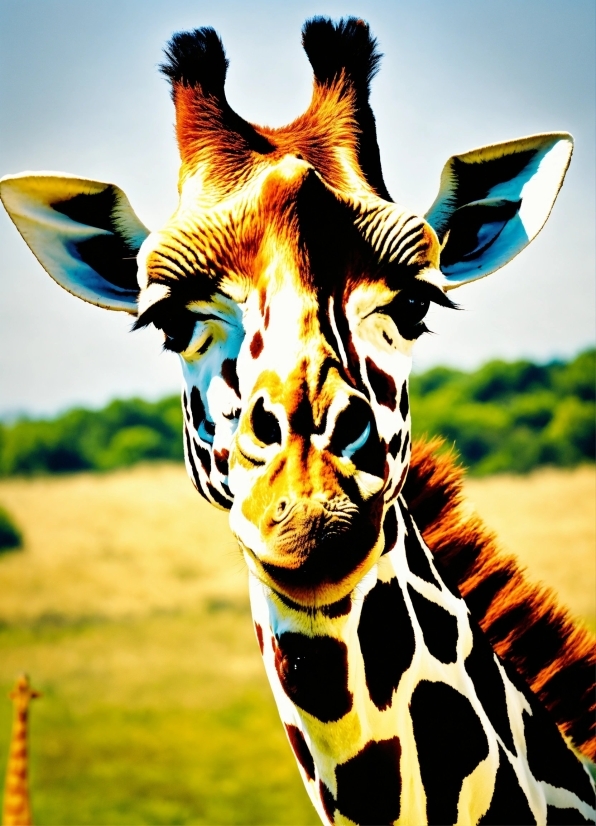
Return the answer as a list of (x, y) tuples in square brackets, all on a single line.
[(22, 694), (293, 288)]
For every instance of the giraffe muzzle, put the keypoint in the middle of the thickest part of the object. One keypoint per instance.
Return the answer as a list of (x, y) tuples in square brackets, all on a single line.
[(319, 468), (312, 544)]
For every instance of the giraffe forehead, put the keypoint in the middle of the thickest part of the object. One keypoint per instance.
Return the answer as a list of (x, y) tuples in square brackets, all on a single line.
[(284, 353), (286, 224)]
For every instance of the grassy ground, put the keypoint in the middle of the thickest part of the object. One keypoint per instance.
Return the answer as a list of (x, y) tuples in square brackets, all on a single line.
[(128, 608)]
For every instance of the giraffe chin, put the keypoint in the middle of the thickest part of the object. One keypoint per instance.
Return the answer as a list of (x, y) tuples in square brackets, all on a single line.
[(318, 581)]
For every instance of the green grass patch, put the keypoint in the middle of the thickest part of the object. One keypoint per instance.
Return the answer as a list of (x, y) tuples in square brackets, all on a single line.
[(152, 721)]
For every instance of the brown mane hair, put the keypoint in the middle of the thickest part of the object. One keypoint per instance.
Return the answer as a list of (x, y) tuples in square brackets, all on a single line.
[(523, 621)]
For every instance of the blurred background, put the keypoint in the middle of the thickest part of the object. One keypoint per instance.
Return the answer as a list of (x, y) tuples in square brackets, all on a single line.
[(121, 592)]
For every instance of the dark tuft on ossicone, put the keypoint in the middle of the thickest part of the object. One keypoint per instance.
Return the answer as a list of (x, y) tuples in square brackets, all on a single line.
[(347, 45), (196, 58), (347, 49)]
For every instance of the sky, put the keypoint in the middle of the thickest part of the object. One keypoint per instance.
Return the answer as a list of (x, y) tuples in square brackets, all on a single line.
[(80, 92)]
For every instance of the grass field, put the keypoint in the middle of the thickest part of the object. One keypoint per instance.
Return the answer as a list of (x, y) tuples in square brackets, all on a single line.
[(128, 608)]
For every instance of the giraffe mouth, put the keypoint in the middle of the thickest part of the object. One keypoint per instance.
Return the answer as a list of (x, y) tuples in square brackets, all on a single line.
[(318, 555)]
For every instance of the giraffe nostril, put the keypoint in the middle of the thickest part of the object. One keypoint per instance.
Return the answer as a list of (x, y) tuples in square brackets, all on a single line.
[(280, 511), (265, 425), (352, 429), (350, 449)]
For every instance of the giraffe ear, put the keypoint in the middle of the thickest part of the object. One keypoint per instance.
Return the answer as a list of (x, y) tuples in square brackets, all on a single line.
[(493, 201), (84, 233)]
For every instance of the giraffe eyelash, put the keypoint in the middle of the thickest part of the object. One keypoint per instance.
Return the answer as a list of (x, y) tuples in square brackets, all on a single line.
[(410, 306), (178, 324), (417, 331)]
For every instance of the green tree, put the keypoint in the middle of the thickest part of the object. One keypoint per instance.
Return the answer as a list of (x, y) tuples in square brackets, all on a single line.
[(511, 416)]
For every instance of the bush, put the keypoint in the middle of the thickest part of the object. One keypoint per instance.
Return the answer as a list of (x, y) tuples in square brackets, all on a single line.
[(131, 445), (123, 433), (511, 416), (10, 536)]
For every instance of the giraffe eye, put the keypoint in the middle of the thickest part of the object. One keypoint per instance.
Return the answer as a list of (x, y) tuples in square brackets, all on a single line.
[(411, 304), (407, 311), (414, 309), (177, 326)]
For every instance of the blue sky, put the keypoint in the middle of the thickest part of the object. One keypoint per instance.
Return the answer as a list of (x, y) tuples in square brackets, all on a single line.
[(80, 92)]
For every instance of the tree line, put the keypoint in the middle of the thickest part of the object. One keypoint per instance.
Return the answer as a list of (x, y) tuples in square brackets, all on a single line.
[(505, 416), (511, 416)]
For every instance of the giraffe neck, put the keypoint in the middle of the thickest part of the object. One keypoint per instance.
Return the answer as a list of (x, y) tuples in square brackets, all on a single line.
[(17, 810), (397, 709)]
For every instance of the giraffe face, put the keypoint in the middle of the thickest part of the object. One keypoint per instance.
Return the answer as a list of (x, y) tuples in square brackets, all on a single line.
[(293, 289), (295, 341)]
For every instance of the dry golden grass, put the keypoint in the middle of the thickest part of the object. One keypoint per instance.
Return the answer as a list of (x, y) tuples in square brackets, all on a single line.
[(136, 541), (548, 519), (121, 544)]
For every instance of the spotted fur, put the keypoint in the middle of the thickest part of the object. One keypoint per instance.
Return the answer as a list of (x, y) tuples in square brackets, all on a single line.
[(525, 624), (405, 711)]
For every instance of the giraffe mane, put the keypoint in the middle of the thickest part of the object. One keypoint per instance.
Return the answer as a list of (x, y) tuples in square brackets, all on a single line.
[(527, 627)]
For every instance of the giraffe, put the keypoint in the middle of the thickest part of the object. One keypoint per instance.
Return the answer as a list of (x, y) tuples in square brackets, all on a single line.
[(413, 684), (17, 808)]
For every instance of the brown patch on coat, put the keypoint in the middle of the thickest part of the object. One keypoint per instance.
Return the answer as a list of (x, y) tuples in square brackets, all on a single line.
[(301, 750), (256, 345), (523, 621), (229, 375), (383, 385), (259, 633), (221, 461)]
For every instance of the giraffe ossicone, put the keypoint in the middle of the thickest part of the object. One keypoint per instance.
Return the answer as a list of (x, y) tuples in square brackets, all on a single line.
[(294, 288)]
